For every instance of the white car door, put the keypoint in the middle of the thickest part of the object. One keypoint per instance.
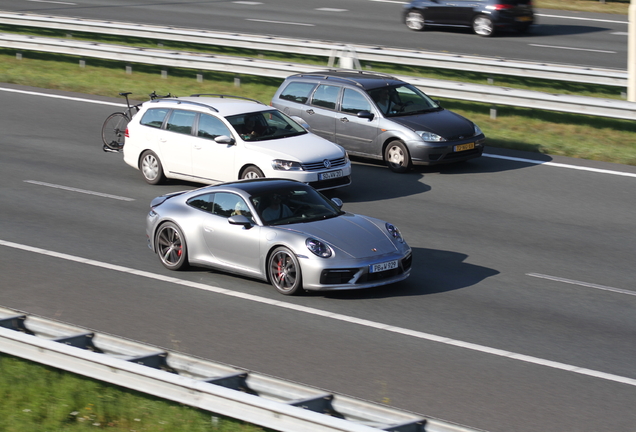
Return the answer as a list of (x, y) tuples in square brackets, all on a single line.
[(174, 143), (212, 161)]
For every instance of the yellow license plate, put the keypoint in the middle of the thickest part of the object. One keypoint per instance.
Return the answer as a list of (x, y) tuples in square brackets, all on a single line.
[(524, 18), (463, 147)]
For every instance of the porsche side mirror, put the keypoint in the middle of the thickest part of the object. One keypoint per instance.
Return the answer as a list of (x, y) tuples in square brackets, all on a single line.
[(240, 220)]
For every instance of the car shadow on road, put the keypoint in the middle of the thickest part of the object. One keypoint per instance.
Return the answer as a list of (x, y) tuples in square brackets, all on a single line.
[(563, 30), (374, 181), (434, 271)]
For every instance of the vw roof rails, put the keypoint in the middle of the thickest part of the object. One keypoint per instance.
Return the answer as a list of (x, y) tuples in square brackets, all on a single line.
[(177, 101), (226, 96)]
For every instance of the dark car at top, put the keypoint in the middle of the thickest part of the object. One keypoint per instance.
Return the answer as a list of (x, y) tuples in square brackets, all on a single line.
[(485, 17), (378, 116)]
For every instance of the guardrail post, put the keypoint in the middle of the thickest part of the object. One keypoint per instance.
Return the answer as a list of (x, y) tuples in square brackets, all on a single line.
[(493, 112), (128, 69), (82, 63), (164, 73), (18, 56), (199, 77), (237, 81)]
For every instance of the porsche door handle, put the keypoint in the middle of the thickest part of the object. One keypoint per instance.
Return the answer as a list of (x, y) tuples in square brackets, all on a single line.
[(344, 120), (310, 111)]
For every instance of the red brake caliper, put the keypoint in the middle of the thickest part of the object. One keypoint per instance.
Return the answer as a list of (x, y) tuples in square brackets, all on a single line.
[(281, 275)]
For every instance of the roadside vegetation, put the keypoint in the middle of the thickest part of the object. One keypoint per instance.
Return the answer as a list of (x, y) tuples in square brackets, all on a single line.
[(40, 398)]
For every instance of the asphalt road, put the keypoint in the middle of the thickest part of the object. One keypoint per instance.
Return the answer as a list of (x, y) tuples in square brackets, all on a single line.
[(594, 40), (510, 258)]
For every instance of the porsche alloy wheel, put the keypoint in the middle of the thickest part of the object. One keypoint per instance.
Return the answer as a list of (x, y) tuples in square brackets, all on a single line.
[(283, 271), (171, 247)]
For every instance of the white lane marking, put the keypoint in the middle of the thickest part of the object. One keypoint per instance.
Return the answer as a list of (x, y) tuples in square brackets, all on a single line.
[(249, 3), (280, 22), (620, 34), (485, 155), (72, 189), (583, 19), (51, 1), (585, 284), (560, 165), (326, 9), (331, 315), (572, 48), (62, 97)]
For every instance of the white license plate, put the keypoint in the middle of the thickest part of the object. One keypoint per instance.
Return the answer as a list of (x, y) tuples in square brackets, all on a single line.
[(389, 265), (330, 175)]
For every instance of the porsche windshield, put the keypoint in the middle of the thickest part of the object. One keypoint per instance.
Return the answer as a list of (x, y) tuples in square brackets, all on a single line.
[(298, 204)]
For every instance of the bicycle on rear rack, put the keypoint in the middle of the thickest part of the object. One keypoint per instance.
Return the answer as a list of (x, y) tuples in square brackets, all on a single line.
[(114, 128)]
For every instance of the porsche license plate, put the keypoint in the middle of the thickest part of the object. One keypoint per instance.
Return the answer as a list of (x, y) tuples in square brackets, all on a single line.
[(330, 175), (524, 18), (463, 147), (389, 265)]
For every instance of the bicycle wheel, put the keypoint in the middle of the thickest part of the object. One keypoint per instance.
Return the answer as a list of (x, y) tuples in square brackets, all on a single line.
[(114, 130)]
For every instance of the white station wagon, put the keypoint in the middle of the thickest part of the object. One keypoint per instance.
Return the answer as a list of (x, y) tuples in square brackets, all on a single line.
[(216, 138)]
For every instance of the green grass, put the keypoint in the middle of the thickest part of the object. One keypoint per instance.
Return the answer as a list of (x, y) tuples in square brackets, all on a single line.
[(40, 398)]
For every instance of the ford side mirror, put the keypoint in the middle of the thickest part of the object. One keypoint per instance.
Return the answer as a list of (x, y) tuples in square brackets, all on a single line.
[(366, 115)]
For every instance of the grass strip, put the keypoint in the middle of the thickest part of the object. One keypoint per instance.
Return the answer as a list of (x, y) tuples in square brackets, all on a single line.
[(41, 398)]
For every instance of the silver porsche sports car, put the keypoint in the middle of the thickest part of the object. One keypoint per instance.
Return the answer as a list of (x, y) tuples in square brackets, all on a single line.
[(281, 231)]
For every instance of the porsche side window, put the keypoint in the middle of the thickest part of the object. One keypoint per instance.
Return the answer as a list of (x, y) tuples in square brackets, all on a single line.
[(202, 202), (229, 204)]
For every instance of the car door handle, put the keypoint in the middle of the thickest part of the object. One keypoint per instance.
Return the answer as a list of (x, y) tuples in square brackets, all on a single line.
[(197, 147), (344, 120), (310, 111)]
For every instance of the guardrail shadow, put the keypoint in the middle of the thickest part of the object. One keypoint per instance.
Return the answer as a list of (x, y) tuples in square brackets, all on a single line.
[(434, 271)]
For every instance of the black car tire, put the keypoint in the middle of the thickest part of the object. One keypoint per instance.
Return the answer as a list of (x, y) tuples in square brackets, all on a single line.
[(151, 168), (283, 271), (414, 20), (483, 26), (171, 247), (252, 173), (397, 157)]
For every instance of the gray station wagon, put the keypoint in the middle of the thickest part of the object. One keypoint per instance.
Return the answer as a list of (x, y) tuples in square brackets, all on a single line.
[(378, 116)]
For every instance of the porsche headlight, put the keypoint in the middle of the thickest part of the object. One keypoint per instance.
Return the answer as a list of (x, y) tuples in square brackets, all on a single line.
[(318, 248), (394, 232), (430, 136), (285, 165)]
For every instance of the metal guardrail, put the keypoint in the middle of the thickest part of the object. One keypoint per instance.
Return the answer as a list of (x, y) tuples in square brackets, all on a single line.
[(610, 77), (437, 88), (251, 397)]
